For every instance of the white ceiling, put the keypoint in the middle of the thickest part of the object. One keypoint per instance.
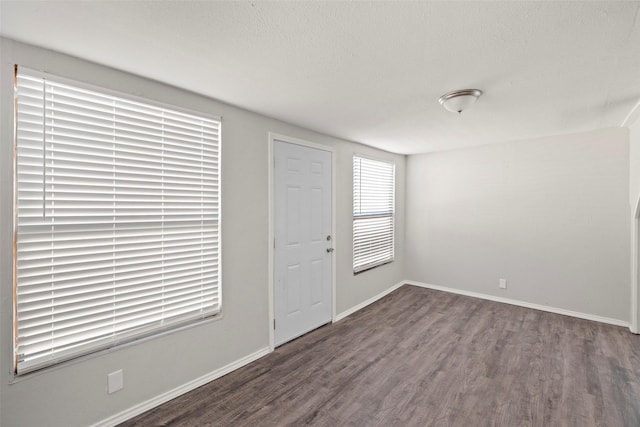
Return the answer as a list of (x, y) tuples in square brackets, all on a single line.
[(369, 71)]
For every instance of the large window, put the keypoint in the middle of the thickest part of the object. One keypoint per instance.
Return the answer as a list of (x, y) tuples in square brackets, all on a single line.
[(373, 211), (117, 209)]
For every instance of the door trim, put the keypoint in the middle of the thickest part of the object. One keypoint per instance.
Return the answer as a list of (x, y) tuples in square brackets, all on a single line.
[(271, 236), (635, 270)]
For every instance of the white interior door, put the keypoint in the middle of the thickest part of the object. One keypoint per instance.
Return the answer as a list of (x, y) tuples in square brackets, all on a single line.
[(303, 242)]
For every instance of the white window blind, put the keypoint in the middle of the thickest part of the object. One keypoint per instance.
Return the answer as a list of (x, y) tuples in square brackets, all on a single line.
[(118, 219), (373, 212)]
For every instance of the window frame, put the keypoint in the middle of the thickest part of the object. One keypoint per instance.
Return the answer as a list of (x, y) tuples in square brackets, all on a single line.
[(156, 331), (362, 267)]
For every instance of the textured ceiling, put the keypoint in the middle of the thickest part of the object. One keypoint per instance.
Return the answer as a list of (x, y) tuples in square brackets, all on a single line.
[(370, 72)]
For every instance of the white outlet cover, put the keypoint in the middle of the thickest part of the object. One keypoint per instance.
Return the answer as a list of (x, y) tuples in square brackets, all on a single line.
[(502, 283), (115, 381)]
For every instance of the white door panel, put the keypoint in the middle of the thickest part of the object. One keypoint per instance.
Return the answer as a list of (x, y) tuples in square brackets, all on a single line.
[(303, 266)]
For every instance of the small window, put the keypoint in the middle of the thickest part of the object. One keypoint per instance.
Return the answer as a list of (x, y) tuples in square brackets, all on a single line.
[(373, 212), (117, 209)]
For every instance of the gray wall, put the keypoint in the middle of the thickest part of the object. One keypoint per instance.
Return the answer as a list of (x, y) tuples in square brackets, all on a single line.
[(550, 215), (634, 164), (74, 394)]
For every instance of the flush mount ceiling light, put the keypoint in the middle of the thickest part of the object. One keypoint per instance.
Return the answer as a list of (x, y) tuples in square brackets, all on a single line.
[(459, 100)]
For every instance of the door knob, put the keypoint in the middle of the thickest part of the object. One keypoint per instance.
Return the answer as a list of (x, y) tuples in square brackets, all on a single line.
[(329, 250)]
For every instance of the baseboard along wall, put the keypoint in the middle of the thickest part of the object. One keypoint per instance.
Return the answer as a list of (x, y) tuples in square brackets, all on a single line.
[(180, 390), (191, 385), (367, 302), (525, 304)]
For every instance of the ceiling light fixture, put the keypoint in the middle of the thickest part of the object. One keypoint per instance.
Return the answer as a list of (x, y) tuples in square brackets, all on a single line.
[(459, 100)]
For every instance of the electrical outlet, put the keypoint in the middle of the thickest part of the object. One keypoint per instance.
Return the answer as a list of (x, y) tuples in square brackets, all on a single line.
[(502, 283), (115, 381)]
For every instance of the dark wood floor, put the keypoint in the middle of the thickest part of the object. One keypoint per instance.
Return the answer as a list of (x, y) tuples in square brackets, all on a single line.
[(420, 357)]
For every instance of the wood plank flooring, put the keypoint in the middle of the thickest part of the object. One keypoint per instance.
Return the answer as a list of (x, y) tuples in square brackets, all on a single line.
[(421, 357)]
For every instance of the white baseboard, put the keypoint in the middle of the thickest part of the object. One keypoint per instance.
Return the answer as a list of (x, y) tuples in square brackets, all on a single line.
[(367, 302), (184, 388), (522, 304), (178, 391)]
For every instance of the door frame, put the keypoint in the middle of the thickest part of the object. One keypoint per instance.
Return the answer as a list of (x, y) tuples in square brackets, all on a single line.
[(635, 270), (271, 237)]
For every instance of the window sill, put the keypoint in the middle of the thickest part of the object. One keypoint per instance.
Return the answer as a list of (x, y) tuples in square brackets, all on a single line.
[(355, 273)]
